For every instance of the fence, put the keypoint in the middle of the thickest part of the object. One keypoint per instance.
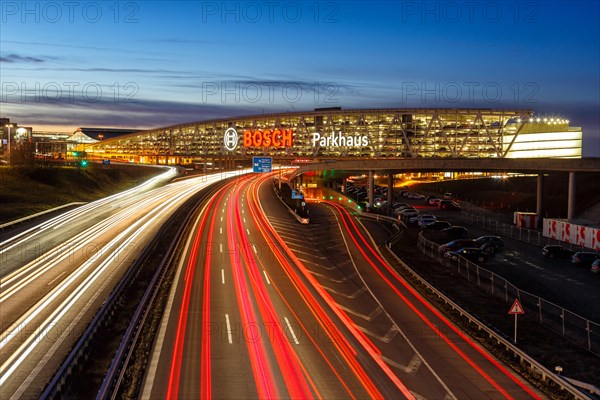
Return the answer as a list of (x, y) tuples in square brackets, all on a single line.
[(573, 327), (531, 236)]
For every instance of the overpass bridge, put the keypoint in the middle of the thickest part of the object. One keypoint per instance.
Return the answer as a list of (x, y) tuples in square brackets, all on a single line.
[(392, 140), (539, 166)]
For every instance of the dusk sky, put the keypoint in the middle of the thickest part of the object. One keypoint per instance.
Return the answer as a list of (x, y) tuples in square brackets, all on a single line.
[(150, 64)]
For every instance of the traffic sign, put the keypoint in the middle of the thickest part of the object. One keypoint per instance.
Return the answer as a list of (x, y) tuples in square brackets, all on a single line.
[(516, 308), (262, 164)]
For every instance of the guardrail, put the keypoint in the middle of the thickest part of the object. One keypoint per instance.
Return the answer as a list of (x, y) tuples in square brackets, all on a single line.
[(54, 389), (116, 371), (532, 366), (575, 328), (302, 220), (18, 221), (59, 382)]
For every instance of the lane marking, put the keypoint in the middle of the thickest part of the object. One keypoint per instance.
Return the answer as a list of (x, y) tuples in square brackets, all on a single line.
[(223, 276), (291, 331), (267, 277), (255, 251), (221, 219), (55, 279), (229, 336), (247, 230), (221, 231), (221, 247), (244, 220)]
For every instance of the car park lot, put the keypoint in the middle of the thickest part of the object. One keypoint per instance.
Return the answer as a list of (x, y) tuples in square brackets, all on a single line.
[(554, 279)]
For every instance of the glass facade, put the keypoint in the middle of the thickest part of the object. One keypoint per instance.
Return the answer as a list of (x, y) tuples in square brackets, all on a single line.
[(380, 133)]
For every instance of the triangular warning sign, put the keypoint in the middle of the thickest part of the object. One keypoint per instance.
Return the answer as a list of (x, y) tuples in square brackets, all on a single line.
[(516, 308)]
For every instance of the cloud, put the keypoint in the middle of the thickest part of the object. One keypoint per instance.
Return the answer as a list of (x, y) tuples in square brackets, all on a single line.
[(15, 58)]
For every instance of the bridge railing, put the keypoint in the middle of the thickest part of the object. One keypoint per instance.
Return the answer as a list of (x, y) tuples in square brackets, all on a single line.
[(579, 330)]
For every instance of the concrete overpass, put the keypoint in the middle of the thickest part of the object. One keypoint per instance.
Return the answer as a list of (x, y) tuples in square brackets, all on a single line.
[(539, 166)]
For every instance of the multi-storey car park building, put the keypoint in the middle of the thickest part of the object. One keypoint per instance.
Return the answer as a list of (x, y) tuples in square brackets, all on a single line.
[(340, 134)]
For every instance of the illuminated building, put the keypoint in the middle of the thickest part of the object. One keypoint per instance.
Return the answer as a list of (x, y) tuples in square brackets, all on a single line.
[(365, 133)]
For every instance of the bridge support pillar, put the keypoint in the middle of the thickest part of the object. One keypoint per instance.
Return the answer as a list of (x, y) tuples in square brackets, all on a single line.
[(371, 188), (390, 193), (571, 198), (539, 199)]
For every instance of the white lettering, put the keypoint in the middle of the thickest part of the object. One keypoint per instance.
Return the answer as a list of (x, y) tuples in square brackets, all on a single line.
[(339, 140), (315, 138)]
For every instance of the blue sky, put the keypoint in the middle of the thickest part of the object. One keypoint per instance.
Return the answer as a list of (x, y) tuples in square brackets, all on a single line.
[(150, 63)]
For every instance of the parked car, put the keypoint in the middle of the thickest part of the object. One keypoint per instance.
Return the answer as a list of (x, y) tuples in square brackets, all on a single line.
[(455, 245), (399, 210), (456, 232), (584, 258), (474, 254), (437, 225), (415, 196), (595, 266), (423, 222), (556, 251), (448, 196), (494, 242), (398, 205), (418, 218), (449, 205), (408, 213)]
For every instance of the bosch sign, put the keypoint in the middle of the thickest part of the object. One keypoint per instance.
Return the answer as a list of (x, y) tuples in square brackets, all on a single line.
[(268, 138), (258, 138)]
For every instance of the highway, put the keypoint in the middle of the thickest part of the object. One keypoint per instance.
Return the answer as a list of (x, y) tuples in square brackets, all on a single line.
[(56, 274), (263, 307)]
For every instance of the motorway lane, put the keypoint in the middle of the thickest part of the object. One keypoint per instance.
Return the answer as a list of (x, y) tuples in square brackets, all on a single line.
[(24, 246), (47, 303), (243, 322), (467, 370)]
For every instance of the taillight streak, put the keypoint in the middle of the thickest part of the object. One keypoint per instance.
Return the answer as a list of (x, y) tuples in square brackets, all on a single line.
[(345, 214), (356, 367)]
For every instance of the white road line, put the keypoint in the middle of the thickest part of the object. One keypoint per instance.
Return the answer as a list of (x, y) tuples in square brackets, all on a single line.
[(223, 276), (247, 230), (55, 279), (229, 336), (221, 231), (223, 209), (291, 331), (267, 277), (244, 220), (221, 247), (221, 219), (255, 251)]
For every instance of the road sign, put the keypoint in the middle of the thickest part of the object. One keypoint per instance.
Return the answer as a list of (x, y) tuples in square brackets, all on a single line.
[(262, 164), (297, 196), (516, 308)]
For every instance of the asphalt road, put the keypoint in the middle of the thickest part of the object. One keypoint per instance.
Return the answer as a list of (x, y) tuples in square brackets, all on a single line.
[(48, 295), (522, 264), (266, 307)]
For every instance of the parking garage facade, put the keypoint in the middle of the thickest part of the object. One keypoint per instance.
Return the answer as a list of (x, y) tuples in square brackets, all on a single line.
[(351, 134)]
